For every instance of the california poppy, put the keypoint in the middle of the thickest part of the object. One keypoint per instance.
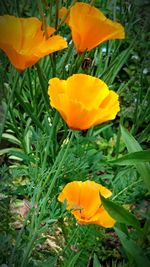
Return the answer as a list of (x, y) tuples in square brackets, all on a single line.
[(83, 101), (24, 42), (83, 199), (90, 27)]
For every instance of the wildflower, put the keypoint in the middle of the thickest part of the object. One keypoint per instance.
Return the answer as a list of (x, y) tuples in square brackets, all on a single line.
[(89, 26), (24, 42), (83, 199), (83, 101)]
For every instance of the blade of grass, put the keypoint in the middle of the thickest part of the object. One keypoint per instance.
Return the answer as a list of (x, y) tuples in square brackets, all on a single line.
[(133, 146)]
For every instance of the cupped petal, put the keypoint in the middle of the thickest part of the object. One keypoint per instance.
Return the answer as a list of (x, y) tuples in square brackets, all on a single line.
[(73, 113), (108, 109), (31, 29), (85, 9), (96, 32), (101, 218), (10, 31), (24, 41), (83, 101), (50, 45), (86, 89), (71, 193), (104, 219), (20, 61), (83, 199), (56, 88), (88, 189), (90, 27), (88, 206)]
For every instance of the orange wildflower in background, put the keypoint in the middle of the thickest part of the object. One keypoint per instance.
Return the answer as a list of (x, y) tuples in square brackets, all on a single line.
[(90, 27), (83, 101), (62, 13), (83, 199), (24, 42)]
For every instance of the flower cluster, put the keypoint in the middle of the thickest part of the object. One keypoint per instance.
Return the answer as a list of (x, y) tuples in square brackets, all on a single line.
[(82, 100)]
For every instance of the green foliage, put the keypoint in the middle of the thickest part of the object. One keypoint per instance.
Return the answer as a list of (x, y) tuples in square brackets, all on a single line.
[(119, 213), (133, 249), (132, 146), (39, 155)]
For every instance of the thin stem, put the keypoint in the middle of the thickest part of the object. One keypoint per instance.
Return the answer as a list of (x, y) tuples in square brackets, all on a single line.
[(28, 111), (60, 165), (56, 14), (43, 83), (67, 58), (35, 233), (65, 16), (43, 19), (54, 179), (9, 101), (51, 138), (126, 188), (53, 63), (29, 249)]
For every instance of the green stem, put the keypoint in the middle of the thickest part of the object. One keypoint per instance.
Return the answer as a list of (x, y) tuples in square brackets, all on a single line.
[(9, 101), (35, 233), (66, 59), (56, 15), (53, 63), (54, 179), (75, 233), (28, 111), (126, 188), (44, 84), (77, 64), (65, 16), (29, 249), (51, 138), (60, 166)]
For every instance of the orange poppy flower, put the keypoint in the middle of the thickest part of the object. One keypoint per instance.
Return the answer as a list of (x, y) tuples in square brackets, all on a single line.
[(90, 27), (83, 101), (83, 199), (25, 43)]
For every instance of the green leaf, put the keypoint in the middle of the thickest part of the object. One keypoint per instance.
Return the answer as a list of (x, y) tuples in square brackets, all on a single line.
[(133, 146), (119, 213), (133, 249), (96, 262), (74, 260), (11, 138), (113, 69), (132, 158), (17, 153)]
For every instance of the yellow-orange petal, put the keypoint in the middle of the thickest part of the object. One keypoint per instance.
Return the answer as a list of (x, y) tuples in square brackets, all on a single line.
[(104, 219), (83, 101), (24, 42), (71, 193), (101, 218), (90, 27), (83, 199)]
